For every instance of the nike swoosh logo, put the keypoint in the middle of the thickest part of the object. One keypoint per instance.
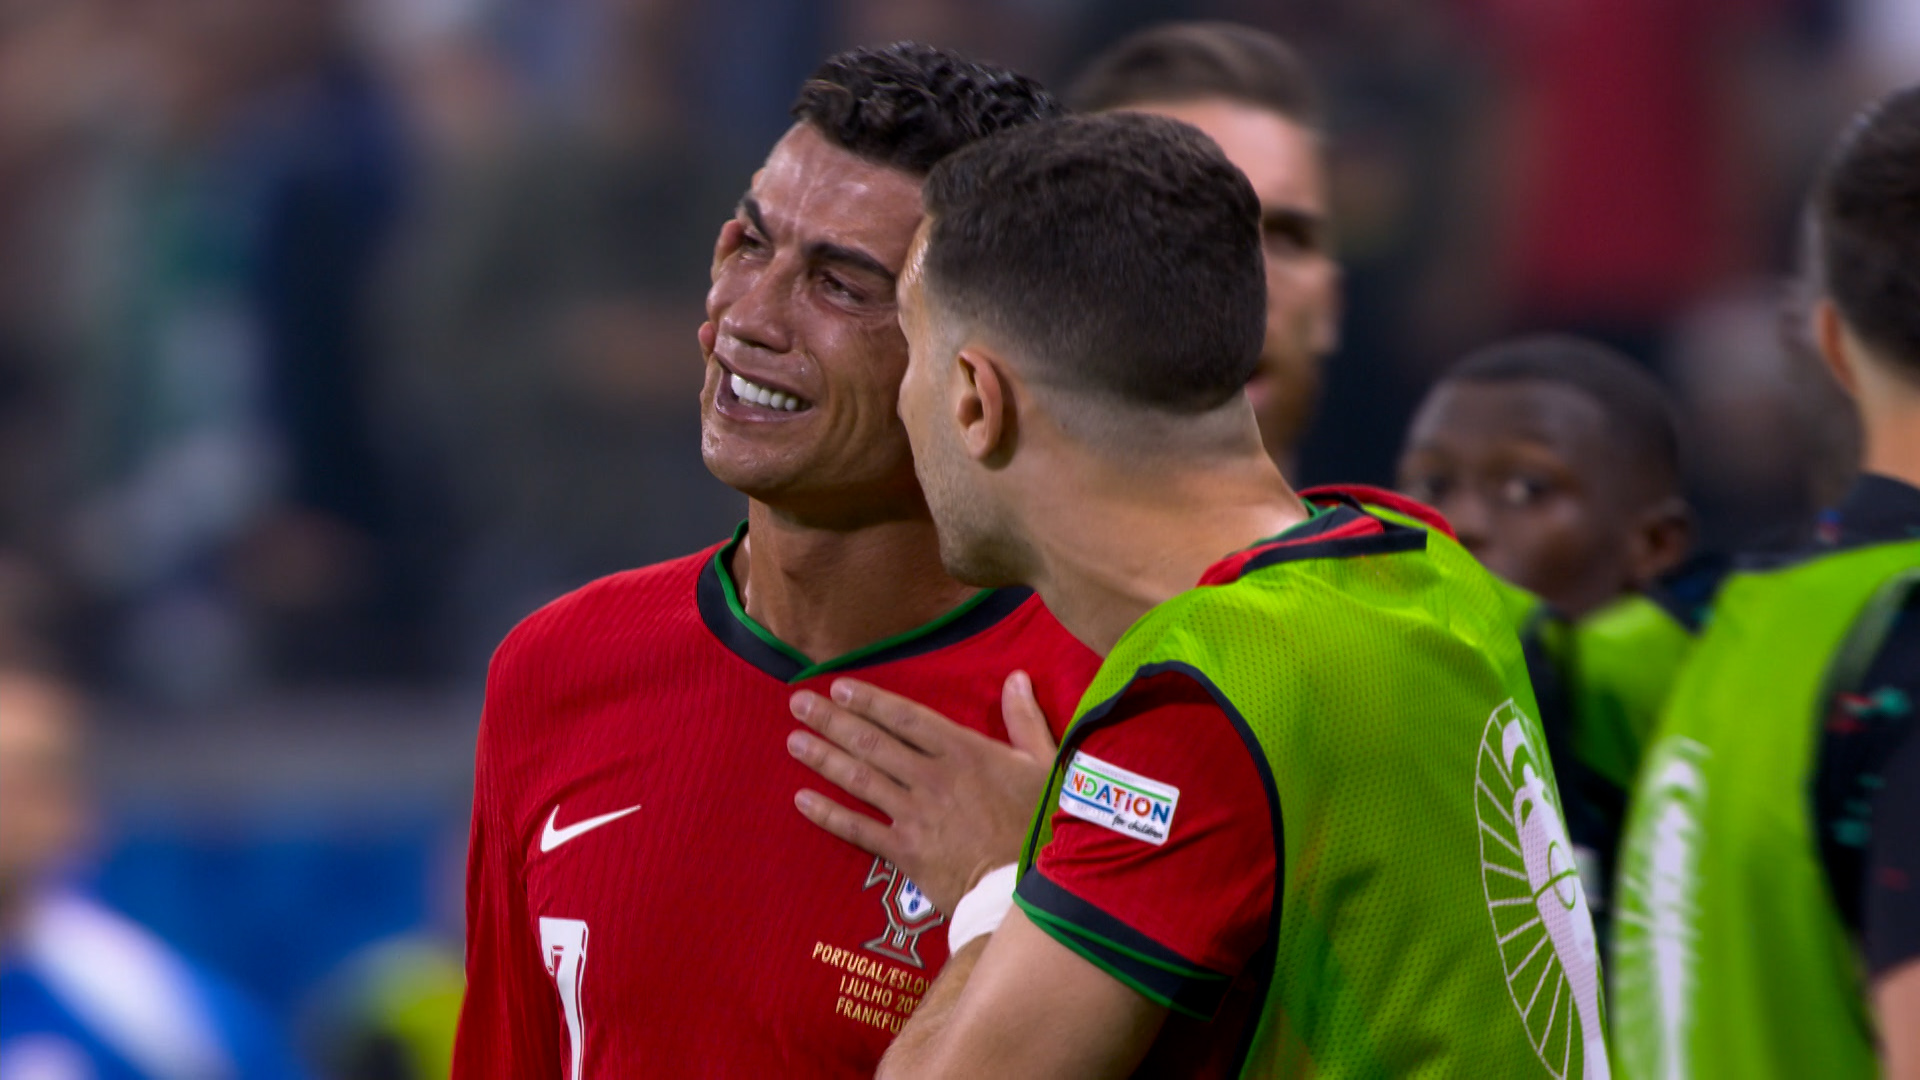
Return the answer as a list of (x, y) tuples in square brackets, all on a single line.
[(552, 838)]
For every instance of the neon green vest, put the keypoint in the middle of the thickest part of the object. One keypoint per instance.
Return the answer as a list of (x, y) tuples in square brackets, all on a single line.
[(1624, 660), (1729, 958), (1429, 921), (1600, 684), (1618, 664)]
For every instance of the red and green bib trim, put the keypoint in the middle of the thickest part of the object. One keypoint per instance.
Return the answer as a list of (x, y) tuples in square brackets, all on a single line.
[(1339, 528)]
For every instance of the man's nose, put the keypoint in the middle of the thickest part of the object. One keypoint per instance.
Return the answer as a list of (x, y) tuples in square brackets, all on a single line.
[(753, 305), (1471, 521)]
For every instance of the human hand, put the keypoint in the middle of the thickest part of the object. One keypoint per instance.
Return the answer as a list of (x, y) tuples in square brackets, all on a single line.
[(960, 802)]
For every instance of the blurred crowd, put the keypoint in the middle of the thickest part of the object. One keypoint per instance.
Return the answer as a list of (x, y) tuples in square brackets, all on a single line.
[(336, 335)]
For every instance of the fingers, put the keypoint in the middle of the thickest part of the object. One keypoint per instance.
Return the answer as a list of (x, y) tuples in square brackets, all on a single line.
[(859, 830), (848, 773), (910, 722), (1027, 726), (862, 739)]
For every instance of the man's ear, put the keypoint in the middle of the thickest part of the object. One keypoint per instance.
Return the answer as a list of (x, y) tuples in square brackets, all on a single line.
[(1659, 540), (983, 404), (1830, 337)]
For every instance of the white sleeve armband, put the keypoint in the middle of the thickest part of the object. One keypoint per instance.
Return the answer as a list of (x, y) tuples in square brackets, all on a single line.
[(982, 909)]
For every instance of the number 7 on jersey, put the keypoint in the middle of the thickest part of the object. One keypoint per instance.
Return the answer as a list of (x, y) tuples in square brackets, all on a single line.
[(563, 948)]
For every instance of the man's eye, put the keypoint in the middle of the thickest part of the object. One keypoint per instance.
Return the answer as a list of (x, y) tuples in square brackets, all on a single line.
[(841, 289), (1288, 242), (1426, 489), (1523, 490), (1289, 235)]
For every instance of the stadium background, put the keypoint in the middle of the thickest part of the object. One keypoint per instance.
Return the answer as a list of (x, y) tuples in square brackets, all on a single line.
[(335, 336)]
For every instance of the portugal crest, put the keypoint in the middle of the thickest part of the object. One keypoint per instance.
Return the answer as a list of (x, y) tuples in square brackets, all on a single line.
[(909, 914)]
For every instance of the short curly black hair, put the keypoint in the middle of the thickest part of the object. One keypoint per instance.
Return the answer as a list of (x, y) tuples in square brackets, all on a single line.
[(1867, 227), (1641, 424), (908, 105)]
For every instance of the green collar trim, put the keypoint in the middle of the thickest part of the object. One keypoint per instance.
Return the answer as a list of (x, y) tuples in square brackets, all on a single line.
[(789, 664)]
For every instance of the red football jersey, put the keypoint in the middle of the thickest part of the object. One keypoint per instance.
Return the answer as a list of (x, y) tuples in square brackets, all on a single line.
[(643, 899)]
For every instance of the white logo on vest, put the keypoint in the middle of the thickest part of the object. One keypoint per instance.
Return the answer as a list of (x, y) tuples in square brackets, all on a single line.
[(1541, 924), (1659, 889)]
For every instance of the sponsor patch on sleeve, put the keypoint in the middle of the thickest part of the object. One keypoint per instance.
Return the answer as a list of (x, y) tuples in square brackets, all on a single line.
[(1126, 802)]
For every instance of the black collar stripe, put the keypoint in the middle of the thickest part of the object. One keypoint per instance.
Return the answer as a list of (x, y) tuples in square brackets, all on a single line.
[(740, 639), (1393, 539)]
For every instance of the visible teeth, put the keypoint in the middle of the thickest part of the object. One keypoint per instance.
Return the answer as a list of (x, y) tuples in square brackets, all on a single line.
[(760, 395)]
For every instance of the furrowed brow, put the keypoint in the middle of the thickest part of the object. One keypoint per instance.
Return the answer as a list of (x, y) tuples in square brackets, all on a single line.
[(821, 251), (751, 207)]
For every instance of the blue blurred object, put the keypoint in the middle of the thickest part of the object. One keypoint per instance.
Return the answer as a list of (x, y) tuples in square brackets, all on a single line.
[(85, 992), (279, 905)]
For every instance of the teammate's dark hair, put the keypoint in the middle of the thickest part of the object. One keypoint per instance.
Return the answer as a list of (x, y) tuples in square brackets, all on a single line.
[(1181, 62), (1639, 413), (1119, 253), (908, 105), (1867, 226)]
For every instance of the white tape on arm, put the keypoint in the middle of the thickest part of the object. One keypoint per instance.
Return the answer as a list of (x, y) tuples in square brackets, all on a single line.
[(982, 909)]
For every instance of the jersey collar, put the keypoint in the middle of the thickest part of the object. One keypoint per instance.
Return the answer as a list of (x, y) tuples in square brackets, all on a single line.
[(727, 619), (1339, 528), (1877, 510)]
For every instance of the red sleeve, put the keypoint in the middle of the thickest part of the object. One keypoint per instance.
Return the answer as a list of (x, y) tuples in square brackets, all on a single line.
[(1162, 861), (509, 1024)]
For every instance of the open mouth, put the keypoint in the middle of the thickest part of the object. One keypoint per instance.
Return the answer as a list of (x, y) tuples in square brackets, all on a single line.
[(764, 396)]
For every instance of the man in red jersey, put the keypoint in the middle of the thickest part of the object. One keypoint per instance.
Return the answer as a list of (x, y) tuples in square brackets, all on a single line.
[(642, 900)]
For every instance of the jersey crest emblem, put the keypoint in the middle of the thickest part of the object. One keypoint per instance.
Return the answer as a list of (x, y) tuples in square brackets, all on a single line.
[(909, 914), (1541, 923)]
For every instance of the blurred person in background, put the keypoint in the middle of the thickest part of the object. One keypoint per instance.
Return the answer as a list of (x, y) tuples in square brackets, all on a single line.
[(61, 68), (540, 326), (1629, 175), (1250, 93), (1769, 910), (230, 171), (1557, 462), (391, 1009), (84, 993), (641, 895)]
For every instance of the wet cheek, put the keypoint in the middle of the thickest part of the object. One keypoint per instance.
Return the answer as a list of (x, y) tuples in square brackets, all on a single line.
[(862, 376)]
